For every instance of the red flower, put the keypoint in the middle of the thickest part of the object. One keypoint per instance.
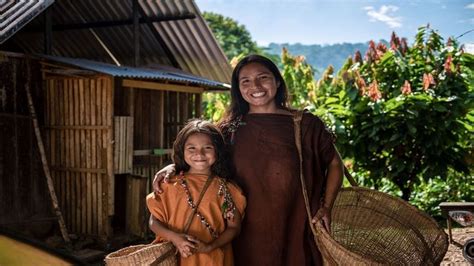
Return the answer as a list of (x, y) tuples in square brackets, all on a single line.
[(358, 57), (403, 46), (428, 80), (406, 88), (394, 41), (448, 63), (361, 85), (374, 92)]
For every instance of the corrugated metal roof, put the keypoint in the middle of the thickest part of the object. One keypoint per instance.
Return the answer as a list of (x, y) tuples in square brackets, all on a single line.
[(166, 74), (16, 14), (188, 42)]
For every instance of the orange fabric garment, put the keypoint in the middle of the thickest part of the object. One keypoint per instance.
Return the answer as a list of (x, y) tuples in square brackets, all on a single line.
[(172, 209)]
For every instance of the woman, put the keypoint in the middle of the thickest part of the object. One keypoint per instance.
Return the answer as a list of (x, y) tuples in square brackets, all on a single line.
[(259, 126)]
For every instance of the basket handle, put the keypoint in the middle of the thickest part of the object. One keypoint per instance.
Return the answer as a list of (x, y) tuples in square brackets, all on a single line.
[(298, 116), (349, 177), (297, 127)]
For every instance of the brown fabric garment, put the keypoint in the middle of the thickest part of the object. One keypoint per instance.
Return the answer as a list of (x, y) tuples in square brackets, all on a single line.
[(265, 158), (171, 208)]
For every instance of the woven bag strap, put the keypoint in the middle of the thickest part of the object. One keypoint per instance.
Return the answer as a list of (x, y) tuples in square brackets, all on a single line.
[(201, 195), (297, 126)]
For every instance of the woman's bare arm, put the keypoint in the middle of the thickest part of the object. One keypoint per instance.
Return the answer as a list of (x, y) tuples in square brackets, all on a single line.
[(333, 184)]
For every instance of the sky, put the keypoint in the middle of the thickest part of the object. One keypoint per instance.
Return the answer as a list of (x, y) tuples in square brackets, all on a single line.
[(338, 21)]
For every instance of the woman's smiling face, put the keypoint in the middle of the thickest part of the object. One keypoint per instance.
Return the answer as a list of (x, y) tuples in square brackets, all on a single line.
[(258, 87)]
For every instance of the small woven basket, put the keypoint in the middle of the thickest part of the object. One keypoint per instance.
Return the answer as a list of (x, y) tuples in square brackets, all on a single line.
[(373, 228), (143, 255)]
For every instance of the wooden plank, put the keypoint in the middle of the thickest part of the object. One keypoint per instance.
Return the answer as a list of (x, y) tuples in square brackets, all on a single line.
[(197, 105), (69, 143), (110, 152), (183, 111), (76, 127), (82, 151), (86, 176), (151, 152), (103, 206), (116, 145), (97, 197), (130, 145), (190, 105), (121, 144), (160, 86), (90, 187), (161, 122)]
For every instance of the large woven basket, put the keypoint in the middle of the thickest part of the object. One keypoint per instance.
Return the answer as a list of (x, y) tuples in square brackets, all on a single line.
[(373, 228), (143, 255)]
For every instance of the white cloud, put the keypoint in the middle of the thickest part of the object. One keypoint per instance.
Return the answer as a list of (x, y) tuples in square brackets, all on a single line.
[(385, 15), (470, 6)]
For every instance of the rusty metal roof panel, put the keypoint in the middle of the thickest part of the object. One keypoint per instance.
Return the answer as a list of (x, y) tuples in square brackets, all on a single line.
[(188, 42), (161, 73)]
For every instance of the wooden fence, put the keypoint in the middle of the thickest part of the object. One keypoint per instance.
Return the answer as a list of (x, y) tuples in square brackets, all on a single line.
[(78, 132)]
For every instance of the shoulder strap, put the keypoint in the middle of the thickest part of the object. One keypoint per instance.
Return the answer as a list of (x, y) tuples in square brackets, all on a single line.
[(191, 216), (298, 116)]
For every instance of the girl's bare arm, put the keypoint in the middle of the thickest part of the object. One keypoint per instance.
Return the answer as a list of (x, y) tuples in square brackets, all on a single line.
[(180, 241)]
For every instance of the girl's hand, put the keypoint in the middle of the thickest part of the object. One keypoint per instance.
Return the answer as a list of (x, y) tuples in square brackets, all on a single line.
[(163, 175), (184, 246), (201, 247), (323, 214)]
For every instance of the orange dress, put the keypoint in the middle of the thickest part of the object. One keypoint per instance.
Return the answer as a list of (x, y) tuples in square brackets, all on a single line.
[(172, 209)]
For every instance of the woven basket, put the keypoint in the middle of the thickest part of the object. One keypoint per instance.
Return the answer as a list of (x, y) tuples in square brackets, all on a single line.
[(143, 255), (373, 228)]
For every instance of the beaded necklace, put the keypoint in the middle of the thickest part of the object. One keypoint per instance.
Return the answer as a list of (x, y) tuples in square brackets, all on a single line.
[(182, 182), (228, 206), (233, 126)]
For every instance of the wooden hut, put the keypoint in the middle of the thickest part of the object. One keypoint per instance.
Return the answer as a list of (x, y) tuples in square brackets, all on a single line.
[(107, 127), (107, 130)]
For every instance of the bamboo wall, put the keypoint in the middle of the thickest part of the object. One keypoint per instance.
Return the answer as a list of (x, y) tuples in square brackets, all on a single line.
[(78, 134), (123, 144)]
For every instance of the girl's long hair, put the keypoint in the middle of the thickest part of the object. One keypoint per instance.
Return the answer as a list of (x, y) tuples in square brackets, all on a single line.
[(221, 165), (238, 106)]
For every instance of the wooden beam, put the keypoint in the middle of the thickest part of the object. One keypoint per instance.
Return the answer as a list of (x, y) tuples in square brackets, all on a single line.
[(160, 86), (162, 42), (136, 34), (48, 31), (70, 72), (113, 23)]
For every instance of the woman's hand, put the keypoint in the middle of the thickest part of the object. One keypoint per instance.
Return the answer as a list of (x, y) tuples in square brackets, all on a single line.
[(185, 247), (163, 175), (201, 247), (323, 214)]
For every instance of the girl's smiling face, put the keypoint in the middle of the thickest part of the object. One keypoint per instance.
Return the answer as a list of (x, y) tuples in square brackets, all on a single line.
[(258, 87), (199, 153)]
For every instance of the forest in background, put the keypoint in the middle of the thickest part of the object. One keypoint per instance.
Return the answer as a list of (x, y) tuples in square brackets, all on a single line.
[(320, 56)]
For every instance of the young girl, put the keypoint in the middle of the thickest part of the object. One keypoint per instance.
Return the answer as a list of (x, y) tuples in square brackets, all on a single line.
[(199, 154)]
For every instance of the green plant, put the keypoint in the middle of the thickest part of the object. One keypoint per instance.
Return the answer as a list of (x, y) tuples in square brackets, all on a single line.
[(403, 113)]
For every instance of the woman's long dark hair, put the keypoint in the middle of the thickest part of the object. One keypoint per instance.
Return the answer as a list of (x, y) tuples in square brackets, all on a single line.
[(221, 165), (238, 106)]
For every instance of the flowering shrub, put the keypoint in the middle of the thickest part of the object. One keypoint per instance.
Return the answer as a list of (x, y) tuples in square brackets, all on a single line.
[(403, 113)]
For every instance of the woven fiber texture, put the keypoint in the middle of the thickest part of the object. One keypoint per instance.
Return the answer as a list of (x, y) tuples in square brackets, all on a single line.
[(142, 255), (373, 228)]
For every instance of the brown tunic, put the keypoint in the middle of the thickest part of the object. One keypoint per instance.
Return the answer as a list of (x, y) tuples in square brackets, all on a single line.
[(266, 165)]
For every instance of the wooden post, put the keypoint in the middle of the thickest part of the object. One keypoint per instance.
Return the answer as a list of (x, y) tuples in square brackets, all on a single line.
[(47, 173)]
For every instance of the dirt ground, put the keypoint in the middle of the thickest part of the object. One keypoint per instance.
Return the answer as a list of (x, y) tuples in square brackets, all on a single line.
[(454, 255)]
